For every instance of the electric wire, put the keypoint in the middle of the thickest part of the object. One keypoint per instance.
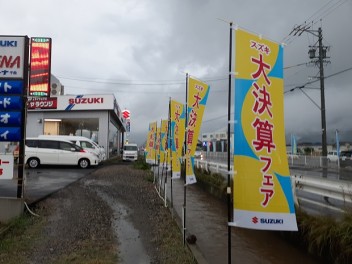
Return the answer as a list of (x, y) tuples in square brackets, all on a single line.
[(317, 16), (318, 79), (136, 83)]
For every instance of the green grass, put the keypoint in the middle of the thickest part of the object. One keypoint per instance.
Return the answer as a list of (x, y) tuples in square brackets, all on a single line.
[(171, 245), (141, 164), (18, 236), (325, 237)]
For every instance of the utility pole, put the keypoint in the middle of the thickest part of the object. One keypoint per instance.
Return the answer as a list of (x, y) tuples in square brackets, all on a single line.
[(322, 56), (318, 61)]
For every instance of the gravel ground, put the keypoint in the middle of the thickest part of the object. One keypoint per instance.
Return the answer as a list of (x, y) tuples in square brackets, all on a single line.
[(113, 215)]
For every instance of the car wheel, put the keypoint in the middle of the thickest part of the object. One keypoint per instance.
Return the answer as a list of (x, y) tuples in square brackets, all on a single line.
[(83, 163), (33, 163)]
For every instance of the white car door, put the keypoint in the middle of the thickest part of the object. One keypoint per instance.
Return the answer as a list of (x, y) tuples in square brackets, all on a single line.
[(67, 154), (47, 151)]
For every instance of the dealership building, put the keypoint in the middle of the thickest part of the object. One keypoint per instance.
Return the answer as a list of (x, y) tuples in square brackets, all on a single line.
[(94, 116)]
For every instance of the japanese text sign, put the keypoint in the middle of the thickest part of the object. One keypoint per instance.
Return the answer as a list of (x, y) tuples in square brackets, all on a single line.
[(177, 117), (263, 196), (197, 98), (151, 143)]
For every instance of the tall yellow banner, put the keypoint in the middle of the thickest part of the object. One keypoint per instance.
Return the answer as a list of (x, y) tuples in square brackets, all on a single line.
[(177, 117), (151, 144), (197, 99), (263, 197), (164, 155)]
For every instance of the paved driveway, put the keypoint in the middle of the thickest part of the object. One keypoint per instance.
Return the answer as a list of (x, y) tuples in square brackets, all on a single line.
[(42, 181)]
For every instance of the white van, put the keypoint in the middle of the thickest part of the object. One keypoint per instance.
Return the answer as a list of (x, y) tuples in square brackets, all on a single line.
[(83, 142), (56, 151), (130, 152)]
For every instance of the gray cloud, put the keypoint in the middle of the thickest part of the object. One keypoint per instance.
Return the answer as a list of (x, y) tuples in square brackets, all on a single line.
[(144, 42)]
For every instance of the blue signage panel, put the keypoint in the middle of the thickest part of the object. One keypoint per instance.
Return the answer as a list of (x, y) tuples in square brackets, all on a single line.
[(10, 103), (10, 118), (11, 87), (10, 133)]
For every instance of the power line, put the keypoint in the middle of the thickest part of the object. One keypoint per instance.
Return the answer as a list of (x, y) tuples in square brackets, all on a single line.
[(325, 77), (317, 16), (134, 82)]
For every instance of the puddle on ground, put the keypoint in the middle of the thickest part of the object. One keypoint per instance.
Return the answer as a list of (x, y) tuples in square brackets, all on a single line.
[(131, 249)]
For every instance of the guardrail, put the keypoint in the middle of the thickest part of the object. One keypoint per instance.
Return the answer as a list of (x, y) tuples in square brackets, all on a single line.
[(293, 160), (325, 193)]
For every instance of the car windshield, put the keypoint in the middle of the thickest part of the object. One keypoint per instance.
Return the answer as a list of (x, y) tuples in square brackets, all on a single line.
[(130, 147)]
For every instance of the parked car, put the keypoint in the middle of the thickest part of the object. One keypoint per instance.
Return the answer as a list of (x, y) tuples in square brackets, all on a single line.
[(346, 158), (83, 142), (56, 151), (332, 156), (198, 154)]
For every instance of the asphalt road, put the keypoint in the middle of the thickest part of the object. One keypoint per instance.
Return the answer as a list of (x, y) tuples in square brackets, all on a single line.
[(43, 181)]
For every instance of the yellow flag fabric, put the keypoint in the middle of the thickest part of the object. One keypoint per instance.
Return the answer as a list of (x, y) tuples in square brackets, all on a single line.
[(151, 143), (164, 156), (196, 101), (177, 118), (262, 195)]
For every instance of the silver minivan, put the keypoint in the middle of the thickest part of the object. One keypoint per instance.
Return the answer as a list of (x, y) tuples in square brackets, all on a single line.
[(47, 151)]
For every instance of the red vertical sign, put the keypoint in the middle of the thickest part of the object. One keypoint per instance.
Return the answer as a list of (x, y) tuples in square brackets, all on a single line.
[(40, 67)]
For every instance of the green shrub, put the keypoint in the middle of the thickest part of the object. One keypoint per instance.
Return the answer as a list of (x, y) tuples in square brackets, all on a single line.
[(141, 164)]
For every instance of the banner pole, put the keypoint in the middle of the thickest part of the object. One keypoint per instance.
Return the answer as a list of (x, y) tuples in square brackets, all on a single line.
[(184, 170), (21, 153), (155, 159), (159, 144), (228, 152), (170, 148)]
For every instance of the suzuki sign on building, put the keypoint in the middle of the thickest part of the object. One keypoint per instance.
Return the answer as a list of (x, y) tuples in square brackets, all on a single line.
[(73, 102)]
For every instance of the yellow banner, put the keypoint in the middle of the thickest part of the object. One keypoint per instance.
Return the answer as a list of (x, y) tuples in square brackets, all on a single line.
[(177, 117), (164, 155), (197, 98), (151, 144), (262, 194)]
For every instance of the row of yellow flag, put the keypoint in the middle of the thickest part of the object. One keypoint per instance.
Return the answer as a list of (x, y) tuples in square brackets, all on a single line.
[(177, 137)]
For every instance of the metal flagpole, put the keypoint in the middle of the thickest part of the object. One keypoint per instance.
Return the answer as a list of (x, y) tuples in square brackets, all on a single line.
[(159, 178), (168, 149), (155, 154), (184, 169), (228, 153), (171, 137)]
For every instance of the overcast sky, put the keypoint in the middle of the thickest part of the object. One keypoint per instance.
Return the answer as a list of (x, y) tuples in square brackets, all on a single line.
[(141, 50)]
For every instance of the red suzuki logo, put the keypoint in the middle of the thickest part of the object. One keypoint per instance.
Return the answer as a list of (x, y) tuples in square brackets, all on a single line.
[(255, 220), (126, 114)]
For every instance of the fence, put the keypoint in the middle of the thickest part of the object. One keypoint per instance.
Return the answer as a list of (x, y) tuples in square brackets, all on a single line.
[(315, 191)]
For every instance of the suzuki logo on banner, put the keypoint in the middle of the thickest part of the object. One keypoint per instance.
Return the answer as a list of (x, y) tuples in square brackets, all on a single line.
[(126, 114)]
